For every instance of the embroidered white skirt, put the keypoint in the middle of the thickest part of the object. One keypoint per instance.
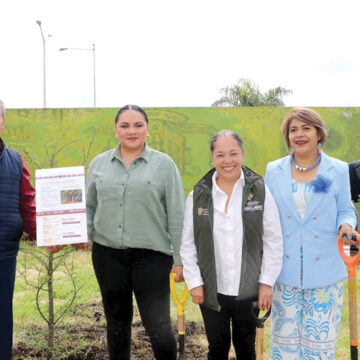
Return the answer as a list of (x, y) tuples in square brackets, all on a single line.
[(305, 322)]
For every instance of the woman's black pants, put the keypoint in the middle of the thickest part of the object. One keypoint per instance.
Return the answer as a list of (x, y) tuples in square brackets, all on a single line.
[(120, 272), (217, 327)]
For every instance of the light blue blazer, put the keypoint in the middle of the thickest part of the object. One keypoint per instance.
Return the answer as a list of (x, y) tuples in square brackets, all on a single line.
[(329, 206)]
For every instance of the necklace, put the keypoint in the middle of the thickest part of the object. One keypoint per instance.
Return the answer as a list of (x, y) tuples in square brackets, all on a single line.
[(300, 168)]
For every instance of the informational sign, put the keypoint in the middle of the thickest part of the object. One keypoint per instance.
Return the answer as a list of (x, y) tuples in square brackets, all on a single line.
[(60, 206)]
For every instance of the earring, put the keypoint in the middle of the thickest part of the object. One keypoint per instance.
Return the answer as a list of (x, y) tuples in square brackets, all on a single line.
[(319, 145)]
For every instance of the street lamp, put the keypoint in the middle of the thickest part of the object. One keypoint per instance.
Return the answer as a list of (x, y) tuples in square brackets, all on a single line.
[(94, 73), (44, 63)]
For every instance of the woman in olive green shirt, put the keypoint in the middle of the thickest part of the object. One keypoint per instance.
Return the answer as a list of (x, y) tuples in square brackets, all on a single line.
[(135, 209)]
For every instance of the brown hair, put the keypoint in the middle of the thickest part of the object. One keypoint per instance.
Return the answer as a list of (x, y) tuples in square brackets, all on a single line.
[(308, 116)]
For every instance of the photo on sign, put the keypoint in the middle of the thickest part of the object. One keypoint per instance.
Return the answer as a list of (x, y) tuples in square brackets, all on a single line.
[(71, 196)]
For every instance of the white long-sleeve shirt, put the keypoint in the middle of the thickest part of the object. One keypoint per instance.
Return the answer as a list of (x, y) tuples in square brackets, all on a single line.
[(228, 238)]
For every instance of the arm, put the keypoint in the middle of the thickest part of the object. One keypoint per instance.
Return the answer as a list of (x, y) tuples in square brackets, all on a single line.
[(91, 200), (27, 206), (174, 200), (346, 219), (268, 177), (188, 254), (272, 251)]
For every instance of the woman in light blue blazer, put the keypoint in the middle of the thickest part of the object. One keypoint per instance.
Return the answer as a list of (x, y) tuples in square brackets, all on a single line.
[(312, 193)]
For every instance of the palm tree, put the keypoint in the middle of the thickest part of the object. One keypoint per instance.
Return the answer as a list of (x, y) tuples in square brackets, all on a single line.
[(246, 93)]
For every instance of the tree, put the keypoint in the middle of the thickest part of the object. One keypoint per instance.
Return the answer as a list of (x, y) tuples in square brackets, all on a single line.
[(246, 93), (44, 263)]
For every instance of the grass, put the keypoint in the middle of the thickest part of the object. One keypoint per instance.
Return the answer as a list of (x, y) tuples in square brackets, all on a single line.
[(86, 308)]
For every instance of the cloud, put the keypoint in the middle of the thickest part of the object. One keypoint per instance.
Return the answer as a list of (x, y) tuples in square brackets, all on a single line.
[(336, 65)]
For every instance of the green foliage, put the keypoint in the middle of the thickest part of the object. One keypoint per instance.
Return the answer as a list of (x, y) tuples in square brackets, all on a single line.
[(246, 93), (54, 285), (36, 260)]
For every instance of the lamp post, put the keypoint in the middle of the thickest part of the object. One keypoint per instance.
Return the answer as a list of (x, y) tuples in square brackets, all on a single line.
[(44, 64), (94, 72)]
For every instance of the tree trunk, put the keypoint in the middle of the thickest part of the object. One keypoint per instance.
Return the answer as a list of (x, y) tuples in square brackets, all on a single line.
[(51, 324)]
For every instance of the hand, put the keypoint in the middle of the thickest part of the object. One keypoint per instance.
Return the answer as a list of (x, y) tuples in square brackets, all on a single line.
[(79, 246), (265, 297), (348, 231), (197, 294), (54, 249), (178, 270)]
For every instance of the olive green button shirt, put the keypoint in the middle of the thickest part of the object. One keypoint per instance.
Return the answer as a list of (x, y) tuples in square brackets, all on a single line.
[(140, 207)]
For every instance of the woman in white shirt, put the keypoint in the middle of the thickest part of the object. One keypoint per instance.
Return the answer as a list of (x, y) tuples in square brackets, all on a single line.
[(231, 248)]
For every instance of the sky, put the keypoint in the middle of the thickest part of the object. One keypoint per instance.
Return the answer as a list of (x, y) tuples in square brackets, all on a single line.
[(171, 53)]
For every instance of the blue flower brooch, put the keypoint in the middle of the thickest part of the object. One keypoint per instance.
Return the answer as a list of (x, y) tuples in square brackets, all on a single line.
[(321, 184)]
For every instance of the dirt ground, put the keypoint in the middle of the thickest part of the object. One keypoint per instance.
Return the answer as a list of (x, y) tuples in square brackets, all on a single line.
[(92, 342), (96, 345)]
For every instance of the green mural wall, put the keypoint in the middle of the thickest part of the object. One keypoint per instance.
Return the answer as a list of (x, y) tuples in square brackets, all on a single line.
[(70, 137)]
